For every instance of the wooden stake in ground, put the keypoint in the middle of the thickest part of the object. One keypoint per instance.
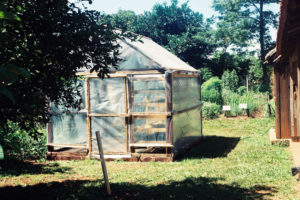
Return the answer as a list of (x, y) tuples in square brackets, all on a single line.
[(103, 162)]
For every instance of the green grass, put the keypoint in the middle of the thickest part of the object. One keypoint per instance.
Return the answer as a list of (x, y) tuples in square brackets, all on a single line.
[(235, 161)]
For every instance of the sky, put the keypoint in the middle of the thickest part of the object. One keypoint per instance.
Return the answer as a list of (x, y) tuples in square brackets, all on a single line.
[(139, 6)]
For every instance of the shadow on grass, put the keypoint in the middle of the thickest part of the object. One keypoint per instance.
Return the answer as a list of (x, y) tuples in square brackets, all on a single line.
[(210, 147), (18, 168), (190, 188)]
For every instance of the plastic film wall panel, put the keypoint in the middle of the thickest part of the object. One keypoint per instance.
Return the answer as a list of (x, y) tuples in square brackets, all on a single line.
[(107, 95), (113, 134), (187, 128), (68, 129), (148, 95), (149, 130), (186, 92)]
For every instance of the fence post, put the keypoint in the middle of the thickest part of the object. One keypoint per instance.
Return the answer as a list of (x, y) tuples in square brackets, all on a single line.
[(103, 162)]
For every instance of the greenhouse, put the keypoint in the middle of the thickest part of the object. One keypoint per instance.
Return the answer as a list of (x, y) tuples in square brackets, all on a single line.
[(152, 103)]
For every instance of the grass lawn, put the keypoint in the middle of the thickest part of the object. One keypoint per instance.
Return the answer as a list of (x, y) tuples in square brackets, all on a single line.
[(235, 161)]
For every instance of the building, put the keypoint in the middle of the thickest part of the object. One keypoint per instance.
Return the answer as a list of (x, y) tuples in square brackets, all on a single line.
[(150, 104)]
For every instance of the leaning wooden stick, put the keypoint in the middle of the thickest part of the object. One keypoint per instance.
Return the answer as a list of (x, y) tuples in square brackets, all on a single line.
[(103, 162)]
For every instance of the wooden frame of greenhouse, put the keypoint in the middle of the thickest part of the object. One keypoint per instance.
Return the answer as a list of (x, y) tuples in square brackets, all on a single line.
[(149, 109)]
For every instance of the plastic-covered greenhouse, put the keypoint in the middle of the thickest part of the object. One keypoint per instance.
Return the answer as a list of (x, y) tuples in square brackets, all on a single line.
[(152, 103)]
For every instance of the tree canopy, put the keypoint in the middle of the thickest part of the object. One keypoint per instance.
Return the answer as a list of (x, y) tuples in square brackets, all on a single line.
[(176, 27), (244, 21), (48, 43)]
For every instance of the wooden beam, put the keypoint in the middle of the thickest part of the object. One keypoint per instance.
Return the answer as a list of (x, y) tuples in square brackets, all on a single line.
[(108, 115), (186, 75), (126, 111), (68, 145), (144, 114), (151, 145)]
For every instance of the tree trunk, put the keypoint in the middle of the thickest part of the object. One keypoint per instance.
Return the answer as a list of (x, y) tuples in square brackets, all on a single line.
[(265, 78)]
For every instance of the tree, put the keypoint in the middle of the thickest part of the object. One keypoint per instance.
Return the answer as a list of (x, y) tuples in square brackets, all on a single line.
[(244, 20), (177, 28), (222, 61), (51, 41), (230, 80)]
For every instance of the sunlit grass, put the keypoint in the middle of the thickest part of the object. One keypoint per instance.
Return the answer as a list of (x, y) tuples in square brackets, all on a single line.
[(236, 161)]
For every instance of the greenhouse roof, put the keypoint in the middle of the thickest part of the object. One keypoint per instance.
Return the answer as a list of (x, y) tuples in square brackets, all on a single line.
[(147, 55)]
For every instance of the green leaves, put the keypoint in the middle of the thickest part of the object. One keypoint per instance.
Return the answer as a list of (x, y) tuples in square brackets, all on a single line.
[(8, 75), (9, 16), (176, 27)]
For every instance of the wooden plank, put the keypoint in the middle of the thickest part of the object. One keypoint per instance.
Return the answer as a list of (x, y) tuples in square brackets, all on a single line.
[(68, 145), (152, 114), (126, 111), (149, 130), (277, 102), (285, 103), (146, 79), (108, 115), (95, 75), (186, 75), (88, 119), (151, 145)]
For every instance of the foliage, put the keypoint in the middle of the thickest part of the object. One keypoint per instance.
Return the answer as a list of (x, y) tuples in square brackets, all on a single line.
[(242, 90), (270, 108), (18, 145), (253, 100), (206, 74), (210, 110), (211, 90), (244, 21), (177, 28), (50, 42), (222, 61), (230, 80), (236, 160)]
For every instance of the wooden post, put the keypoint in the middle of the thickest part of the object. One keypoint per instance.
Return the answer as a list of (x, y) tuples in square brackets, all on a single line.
[(247, 84), (88, 118), (103, 162)]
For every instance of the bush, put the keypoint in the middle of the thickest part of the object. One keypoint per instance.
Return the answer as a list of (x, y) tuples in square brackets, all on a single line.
[(253, 100), (242, 90), (230, 80), (18, 145), (211, 91), (210, 110)]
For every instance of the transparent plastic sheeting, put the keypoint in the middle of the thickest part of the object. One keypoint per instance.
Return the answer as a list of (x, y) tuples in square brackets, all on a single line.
[(148, 95), (187, 128), (186, 92), (134, 59), (107, 95), (113, 134), (149, 130), (68, 129), (61, 108)]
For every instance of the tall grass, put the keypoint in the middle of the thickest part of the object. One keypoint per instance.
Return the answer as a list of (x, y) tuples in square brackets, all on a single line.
[(253, 100)]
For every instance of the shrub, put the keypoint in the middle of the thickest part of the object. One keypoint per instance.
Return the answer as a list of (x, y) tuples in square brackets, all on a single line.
[(253, 100), (242, 90), (212, 91), (18, 145), (210, 110), (230, 80)]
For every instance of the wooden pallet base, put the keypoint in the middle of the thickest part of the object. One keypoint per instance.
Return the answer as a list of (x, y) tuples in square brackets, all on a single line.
[(133, 158)]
